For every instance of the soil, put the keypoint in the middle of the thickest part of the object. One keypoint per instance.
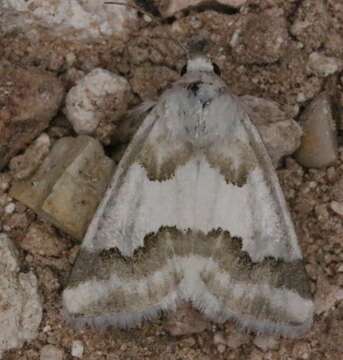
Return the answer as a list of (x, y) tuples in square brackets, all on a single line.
[(151, 59)]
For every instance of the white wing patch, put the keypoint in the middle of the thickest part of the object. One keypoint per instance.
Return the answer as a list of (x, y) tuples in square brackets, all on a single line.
[(197, 198)]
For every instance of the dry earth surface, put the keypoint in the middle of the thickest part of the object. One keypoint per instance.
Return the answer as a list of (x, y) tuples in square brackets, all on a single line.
[(262, 50)]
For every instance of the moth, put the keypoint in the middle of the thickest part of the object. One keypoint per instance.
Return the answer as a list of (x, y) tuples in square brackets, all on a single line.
[(193, 213)]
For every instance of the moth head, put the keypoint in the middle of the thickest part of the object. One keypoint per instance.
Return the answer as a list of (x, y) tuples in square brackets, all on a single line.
[(200, 63)]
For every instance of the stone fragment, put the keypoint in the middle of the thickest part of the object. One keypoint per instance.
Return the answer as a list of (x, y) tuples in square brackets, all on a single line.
[(326, 296), (170, 7), (339, 109), (281, 135), (16, 221), (319, 144), (302, 350), (219, 338), (5, 180), (337, 191), (148, 78), (72, 18), (77, 349), (41, 241), (266, 343), (337, 207), (260, 38), (237, 339), (20, 305), (29, 98), (311, 23), (51, 352), (49, 281), (10, 208), (23, 166), (68, 186), (97, 98), (186, 321), (221, 348), (322, 65)]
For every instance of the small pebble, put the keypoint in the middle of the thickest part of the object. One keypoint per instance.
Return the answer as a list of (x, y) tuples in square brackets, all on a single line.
[(237, 339), (95, 97), (5, 180), (77, 349), (221, 348), (219, 338), (266, 343), (337, 207), (51, 352), (331, 174), (322, 65), (9, 208), (302, 350), (319, 142)]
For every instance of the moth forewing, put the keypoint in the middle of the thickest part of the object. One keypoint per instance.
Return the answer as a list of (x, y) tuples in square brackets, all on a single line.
[(194, 213)]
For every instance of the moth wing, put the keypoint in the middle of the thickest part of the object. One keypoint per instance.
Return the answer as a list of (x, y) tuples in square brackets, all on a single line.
[(256, 274), (105, 286), (207, 224)]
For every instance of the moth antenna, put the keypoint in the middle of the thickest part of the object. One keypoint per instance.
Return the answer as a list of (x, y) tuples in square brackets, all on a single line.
[(153, 17)]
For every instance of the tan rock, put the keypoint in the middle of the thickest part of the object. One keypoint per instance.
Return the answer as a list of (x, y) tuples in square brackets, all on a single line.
[(326, 296), (68, 186), (337, 207), (185, 321), (42, 241), (319, 144), (311, 23), (51, 352), (322, 65), (29, 99), (23, 166), (237, 339), (266, 343), (260, 38), (280, 134)]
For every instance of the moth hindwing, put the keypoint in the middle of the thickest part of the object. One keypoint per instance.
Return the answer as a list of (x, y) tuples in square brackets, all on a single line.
[(194, 213)]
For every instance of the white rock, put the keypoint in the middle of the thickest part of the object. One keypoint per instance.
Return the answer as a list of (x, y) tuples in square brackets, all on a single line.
[(77, 349), (84, 18), (51, 352), (86, 102), (322, 65), (281, 135), (21, 308)]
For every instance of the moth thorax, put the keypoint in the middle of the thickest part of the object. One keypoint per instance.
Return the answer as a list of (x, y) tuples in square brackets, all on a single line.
[(196, 129), (199, 63)]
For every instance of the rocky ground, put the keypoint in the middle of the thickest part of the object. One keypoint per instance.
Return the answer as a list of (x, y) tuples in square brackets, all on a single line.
[(59, 80)]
